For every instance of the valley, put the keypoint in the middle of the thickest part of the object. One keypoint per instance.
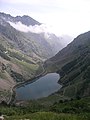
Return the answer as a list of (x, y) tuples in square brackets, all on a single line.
[(48, 80), (22, 53)]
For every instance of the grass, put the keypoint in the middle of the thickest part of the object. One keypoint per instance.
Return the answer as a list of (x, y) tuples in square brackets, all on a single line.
[(50, 100), (49, 116), (28, 70), (27, 66), (69, 91), (78, 109)]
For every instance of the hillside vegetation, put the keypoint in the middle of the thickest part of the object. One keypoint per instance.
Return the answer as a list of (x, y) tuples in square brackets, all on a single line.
[(14, 67), (73, 65), (21, 59), (78, 109), (35, 45)]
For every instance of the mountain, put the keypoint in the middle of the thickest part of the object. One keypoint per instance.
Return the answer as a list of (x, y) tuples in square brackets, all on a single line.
[(22, 33), (65, 40), (73, 65), (22, 52), (15, 67), (18, 60), (22, 42), (26, 20)]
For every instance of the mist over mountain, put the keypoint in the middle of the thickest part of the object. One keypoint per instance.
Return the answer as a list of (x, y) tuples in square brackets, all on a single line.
[(24, 45), (44, 60), (28, 25), (26, 20), (65, 40)]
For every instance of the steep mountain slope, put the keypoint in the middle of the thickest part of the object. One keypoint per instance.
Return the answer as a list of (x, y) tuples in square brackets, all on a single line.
[(35, 44), (20, 41), (73, 65), (22, 53), (14, 67)]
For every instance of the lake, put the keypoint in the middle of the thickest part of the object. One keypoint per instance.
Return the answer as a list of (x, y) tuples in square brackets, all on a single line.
[(39, 88)]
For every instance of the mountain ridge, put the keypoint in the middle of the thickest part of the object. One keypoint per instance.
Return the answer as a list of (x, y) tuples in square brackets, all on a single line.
[(42, 48), (25, 19)]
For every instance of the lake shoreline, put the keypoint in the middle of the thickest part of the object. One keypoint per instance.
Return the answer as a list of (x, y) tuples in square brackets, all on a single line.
[(13, 89), (40, 87)]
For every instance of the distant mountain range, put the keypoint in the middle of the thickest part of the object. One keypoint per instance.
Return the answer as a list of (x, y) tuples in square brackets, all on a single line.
[(73, 65)]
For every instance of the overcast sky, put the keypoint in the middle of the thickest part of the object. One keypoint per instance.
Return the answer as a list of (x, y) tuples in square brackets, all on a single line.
[(70, 17)]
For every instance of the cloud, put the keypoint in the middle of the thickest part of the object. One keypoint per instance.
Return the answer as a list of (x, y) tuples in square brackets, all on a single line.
[(19, 26), (66, 16), (34, 29)]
